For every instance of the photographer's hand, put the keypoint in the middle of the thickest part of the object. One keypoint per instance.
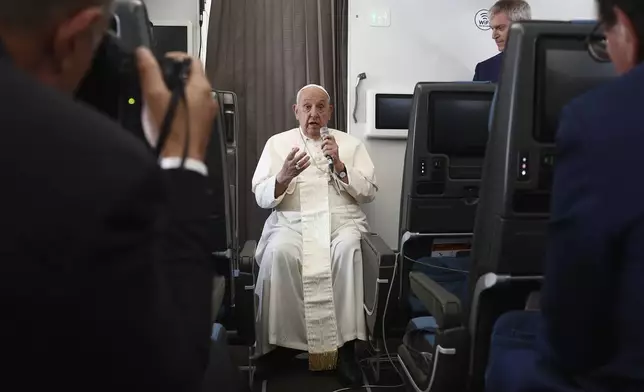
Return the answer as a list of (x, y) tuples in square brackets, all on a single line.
[(202, 108)]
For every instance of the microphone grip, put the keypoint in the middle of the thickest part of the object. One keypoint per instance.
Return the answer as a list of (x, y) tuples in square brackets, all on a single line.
[(324, 132), (330, 160)]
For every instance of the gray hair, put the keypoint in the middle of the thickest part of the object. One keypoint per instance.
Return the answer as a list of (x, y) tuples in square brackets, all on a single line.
[(28, 14), (516, 10), (299, 93)]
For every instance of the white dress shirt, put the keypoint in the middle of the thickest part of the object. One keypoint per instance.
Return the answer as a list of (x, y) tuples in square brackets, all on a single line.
[(151, 134), (190, 164)]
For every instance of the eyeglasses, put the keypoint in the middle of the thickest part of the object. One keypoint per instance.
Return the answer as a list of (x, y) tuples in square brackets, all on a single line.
[(596, 44)]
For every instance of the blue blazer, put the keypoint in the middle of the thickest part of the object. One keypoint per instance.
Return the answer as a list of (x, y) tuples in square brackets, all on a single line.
[(592, 337), (488, 70)]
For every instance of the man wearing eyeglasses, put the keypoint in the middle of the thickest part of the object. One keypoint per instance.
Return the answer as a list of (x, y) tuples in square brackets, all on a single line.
[(593, 299), (501, 15), (591, 336)]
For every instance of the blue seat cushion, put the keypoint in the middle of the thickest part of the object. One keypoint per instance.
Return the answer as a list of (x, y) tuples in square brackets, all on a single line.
[(219, 334), (421, 333), (512, 351)]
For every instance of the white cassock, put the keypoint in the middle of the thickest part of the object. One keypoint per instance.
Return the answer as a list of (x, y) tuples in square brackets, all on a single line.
[(309, 288)]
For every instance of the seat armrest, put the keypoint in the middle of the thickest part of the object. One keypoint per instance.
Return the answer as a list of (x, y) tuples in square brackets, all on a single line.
[(247, 256), (444, 306), (372, 242), (378, 262)]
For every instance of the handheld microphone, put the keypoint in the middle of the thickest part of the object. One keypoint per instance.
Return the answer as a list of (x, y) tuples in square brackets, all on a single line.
[(324, 133)]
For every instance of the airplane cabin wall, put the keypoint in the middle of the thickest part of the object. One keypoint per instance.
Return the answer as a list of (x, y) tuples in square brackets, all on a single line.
[(177, 10)]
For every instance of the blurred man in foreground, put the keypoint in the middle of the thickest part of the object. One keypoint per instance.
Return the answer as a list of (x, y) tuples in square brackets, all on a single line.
[(590, 337), (105, 282), (593, 299), (501, 15), (310, 266)]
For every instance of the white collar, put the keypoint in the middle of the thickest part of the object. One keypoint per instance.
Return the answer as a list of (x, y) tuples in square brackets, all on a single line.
[(306, 137)]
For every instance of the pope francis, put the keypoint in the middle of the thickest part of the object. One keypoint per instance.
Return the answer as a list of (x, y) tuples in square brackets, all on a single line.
[(309, 288)]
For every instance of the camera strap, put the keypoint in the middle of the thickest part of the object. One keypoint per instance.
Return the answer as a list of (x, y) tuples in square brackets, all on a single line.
[(177, 95), (176, 75)]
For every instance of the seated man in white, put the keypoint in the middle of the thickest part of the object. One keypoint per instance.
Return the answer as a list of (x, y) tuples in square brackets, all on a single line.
[(310, 265)]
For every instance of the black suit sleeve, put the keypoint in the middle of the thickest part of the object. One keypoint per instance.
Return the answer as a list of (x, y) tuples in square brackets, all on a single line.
[(151, 285), (578, 293), (188, 267), (477, 77)]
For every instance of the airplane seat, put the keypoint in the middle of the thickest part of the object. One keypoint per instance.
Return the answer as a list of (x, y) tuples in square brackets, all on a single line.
[(546, 64), (378, 273), (446, 145), (238, 271), (222, 163), (441, 182), (380, 286), (246, 301), (433, 353)]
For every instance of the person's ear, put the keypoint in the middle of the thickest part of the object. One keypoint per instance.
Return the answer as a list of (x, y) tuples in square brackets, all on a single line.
[(295, 110), (76, 35), (627, 36), (330, 109)]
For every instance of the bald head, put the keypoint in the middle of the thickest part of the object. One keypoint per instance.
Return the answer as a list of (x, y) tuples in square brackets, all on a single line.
[(54, 40), (27, 14)]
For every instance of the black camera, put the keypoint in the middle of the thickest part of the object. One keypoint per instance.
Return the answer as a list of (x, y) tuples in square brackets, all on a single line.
[(112, 85)]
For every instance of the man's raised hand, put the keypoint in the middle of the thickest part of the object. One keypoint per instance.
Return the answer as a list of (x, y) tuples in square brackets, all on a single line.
[(294, 164)]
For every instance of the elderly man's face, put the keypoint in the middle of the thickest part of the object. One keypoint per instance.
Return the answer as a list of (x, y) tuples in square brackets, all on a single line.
[(313, 111), (500, 24)]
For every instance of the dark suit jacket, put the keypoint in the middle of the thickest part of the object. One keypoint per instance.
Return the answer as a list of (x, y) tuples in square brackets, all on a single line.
[(105, 281), (488, 70), (593, 299)]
